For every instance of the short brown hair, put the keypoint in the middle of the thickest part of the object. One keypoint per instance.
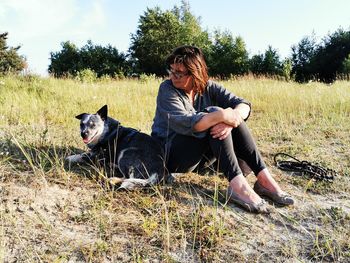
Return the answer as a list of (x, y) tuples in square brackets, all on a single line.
[(193, 59)]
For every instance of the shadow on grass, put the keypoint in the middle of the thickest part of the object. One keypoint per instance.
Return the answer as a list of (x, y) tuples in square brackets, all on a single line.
[(24, 157), (33, 158)]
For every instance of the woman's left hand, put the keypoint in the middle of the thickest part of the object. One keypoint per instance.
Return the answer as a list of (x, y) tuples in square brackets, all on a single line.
[(220, 131)]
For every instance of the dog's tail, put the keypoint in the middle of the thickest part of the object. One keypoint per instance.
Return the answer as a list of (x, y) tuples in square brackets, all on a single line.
[(132, 183)]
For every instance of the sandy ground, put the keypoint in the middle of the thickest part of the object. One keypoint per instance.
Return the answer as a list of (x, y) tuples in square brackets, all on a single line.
[(59, 221)]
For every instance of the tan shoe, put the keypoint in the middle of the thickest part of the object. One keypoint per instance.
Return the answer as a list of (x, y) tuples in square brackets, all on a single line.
[(251, 207), (279, 198)]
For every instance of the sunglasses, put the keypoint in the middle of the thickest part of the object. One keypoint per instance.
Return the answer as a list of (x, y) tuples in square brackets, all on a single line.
[(177, 75)]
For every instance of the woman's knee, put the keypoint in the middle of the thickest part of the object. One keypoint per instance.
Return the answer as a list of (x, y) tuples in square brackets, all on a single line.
[(242, 129)]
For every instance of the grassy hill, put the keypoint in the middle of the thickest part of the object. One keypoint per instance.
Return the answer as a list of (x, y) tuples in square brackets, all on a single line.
[(51, 212)]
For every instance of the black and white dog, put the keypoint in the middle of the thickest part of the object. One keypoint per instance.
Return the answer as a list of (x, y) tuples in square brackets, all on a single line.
[(134, 158)]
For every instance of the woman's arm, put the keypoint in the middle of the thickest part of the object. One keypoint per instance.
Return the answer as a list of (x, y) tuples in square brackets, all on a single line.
[(209, 120), (233, 117), (174, 112), (226, 99), (243, 109)]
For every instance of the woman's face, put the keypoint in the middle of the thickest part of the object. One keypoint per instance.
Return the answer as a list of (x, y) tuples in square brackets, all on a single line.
[(180, 77)]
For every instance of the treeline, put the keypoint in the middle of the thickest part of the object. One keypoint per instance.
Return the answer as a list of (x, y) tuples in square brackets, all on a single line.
[(159, 32)]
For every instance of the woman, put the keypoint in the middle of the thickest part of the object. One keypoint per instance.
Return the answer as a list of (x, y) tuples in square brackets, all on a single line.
[(196, 119)]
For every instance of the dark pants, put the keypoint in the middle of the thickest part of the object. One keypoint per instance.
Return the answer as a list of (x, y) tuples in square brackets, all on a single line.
[(186, 153)]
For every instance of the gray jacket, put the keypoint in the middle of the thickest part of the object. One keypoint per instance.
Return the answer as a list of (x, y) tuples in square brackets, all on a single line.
[(176, 115)]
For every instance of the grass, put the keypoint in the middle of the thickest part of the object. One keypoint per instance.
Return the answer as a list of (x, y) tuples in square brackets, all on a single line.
[(51, 212)]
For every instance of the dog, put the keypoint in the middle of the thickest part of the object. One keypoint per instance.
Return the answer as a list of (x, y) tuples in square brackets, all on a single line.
[(134, 159)]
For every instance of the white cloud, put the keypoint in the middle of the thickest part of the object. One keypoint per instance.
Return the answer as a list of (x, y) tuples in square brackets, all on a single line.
[(89, 22), (32, 18), (41, 25), (95, 16)]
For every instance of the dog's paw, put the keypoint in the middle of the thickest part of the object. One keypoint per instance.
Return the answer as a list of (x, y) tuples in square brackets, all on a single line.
[(115, 180), (76, 158)]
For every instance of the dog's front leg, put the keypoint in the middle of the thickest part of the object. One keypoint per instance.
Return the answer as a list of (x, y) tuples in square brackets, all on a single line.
[(75, 158), (79, 158)]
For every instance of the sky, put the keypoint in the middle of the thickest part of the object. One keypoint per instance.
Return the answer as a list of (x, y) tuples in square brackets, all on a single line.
[(40, 26)]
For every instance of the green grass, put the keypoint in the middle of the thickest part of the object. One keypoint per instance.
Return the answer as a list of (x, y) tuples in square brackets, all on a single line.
[(51, 212)]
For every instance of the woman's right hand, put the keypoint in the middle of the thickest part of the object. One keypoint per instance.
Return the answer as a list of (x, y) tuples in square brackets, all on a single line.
[(220, 131)]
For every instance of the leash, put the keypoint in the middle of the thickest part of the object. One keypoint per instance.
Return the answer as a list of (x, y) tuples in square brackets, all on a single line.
[(305, 168)]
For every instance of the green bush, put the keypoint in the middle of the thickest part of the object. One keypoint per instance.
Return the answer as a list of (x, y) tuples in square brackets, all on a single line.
[(87, 75), (119, 74), (146, 78)]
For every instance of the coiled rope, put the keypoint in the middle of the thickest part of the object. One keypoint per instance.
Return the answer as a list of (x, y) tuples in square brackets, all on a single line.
[(304, 168)]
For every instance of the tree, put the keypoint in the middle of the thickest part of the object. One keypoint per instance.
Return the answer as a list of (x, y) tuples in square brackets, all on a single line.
[(228, 56), (256, 64), (10, 61), (271, 64), (331, 54), (302, 55), (65, 62), (159, 32), (191, 32), (102, 60), (266, 64)]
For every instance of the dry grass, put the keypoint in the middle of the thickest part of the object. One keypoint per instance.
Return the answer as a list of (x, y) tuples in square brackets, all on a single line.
[(51, 212)]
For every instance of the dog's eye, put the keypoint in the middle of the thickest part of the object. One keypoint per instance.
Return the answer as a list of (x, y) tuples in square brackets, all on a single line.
[(92, 125)]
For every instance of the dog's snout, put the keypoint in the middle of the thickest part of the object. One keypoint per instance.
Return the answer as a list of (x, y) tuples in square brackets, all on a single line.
[(84, 134)]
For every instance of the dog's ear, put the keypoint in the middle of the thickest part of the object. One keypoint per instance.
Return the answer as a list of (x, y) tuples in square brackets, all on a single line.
[(103, 112), (80, 116)]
